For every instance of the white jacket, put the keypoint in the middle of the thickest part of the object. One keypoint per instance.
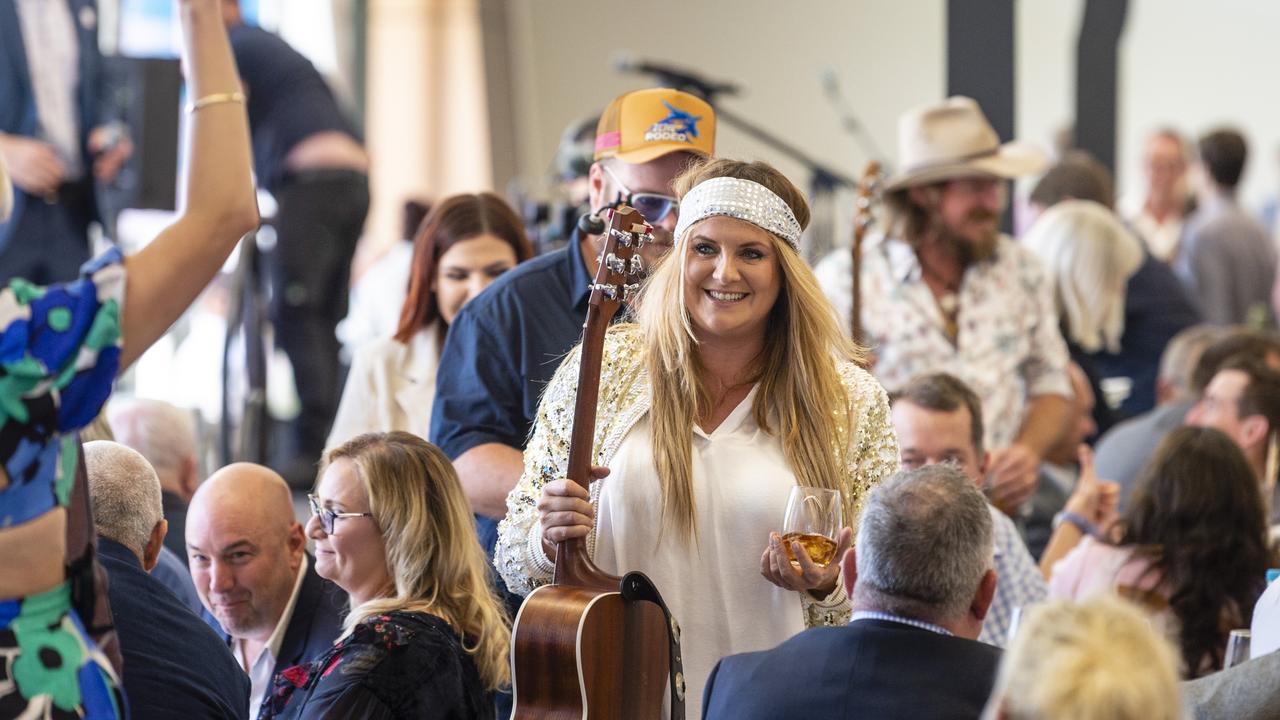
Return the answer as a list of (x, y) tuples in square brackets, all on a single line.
[(391, 386)]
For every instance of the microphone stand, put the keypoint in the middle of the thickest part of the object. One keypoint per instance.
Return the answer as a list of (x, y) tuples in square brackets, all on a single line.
[(823, 179)]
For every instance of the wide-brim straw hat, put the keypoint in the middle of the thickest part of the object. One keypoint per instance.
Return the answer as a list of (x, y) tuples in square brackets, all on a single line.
[(953, 139)]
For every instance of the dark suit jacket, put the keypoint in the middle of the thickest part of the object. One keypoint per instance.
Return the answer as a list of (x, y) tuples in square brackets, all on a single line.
[(315, 624), (17, 99), (870, 669), (174, 665)]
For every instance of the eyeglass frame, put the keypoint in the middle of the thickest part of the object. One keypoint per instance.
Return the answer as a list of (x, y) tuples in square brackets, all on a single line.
[(321, 512), (673, 203)]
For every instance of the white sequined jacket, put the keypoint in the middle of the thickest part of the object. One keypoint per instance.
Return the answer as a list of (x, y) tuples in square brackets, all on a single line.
[(870, 449)]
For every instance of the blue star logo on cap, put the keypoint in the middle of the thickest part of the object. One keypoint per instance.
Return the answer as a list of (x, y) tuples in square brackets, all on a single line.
[(680, 118)]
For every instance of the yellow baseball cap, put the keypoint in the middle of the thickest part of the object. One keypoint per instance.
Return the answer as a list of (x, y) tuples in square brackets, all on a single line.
[(646, 124)]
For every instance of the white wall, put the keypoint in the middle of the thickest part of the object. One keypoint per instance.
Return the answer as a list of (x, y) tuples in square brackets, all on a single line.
[(887, 55), (1183, 62), (1197, 64)]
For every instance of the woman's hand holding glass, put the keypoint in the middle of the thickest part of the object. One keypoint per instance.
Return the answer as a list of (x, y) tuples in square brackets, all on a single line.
[(806, 555), (565, 511)]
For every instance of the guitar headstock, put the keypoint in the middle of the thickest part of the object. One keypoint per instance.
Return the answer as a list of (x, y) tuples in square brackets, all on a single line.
[(621, 267), (867, 199)]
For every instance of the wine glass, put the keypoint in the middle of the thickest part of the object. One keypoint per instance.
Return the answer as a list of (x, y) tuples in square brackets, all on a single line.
[(1237, 648), (813, 519)]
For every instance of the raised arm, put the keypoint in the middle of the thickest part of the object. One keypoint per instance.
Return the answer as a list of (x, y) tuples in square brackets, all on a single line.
[(217, 205)]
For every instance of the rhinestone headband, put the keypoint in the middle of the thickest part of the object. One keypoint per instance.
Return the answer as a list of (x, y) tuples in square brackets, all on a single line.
[(741, 199)]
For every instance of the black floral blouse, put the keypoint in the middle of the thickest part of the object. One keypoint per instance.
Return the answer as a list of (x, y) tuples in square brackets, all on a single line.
[(397, 665)]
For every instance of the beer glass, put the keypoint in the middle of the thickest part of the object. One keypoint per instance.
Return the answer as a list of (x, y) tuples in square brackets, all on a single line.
[(1237, 648), (813, 519)]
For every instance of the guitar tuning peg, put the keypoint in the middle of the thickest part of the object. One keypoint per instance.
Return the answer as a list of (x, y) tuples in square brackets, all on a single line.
[(624, 238), (615, 264), (637, 265)]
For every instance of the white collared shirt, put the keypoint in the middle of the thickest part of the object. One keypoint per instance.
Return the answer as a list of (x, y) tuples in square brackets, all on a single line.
[(262, 670), (53, 59), (876, 615)]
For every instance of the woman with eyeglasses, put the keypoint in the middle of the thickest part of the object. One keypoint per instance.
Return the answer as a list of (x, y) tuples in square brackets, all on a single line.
[(463, 245), (426, 636), (736, 384)]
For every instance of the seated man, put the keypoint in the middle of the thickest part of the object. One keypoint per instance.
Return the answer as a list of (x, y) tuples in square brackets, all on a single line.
[(921, 581), (166, 436), (174, 665), (1243, 401), (248, 559), (938, 419)]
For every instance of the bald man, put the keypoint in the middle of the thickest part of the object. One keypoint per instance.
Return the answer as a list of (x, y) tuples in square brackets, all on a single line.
[(248, 558)]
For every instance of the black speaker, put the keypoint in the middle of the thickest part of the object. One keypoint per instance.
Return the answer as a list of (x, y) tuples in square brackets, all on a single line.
[(145, 94)]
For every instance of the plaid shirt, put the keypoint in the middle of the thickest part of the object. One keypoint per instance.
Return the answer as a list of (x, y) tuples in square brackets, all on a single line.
[(1018, 580)]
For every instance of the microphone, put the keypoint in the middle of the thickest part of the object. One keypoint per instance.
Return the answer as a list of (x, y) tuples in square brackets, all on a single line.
[(591, 223), (679, 78)]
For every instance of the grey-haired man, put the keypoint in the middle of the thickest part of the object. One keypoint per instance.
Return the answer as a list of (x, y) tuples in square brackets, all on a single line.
[(921, 580)]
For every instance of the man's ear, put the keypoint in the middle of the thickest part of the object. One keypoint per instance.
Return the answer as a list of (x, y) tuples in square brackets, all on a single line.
[(189, 480), (151, 553), (297, 544), (595, 185), (984, 463), (849, 571), (983, 597), (1254, 431)]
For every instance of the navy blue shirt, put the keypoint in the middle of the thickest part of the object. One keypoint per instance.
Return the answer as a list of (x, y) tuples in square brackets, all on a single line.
[(1156, 308), (288, 99), (174, 665), (503, 348)]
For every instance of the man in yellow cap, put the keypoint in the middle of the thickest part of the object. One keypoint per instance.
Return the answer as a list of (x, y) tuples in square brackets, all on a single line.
[(505, 344)]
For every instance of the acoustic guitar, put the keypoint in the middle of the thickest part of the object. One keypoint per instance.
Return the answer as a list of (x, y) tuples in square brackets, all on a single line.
[(591, 644), (863, 217)]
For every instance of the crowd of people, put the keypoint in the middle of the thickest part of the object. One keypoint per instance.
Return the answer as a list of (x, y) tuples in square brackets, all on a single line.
[(1056, 454)]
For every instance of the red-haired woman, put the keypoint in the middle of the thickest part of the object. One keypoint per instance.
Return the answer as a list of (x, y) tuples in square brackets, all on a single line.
[(463, 245)]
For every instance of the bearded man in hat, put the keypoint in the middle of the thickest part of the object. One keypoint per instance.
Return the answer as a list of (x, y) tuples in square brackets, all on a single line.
[(944, 291)]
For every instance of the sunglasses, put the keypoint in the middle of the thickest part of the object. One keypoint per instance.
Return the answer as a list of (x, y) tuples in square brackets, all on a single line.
[(653, 207), (329, 517)]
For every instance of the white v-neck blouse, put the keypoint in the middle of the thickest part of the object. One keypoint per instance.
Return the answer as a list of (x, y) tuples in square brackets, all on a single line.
[(713, 586)]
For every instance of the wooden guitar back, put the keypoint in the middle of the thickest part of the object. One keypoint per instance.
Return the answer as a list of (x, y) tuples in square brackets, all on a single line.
[(620, 650)]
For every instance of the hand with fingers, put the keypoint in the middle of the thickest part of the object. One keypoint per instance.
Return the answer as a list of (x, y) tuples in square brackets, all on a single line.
[(1013, 477), (34, 166), (818, 581), (565, 512), (1093, 499)]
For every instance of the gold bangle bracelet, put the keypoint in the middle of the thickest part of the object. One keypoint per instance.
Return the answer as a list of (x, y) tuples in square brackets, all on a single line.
[(215, 99)]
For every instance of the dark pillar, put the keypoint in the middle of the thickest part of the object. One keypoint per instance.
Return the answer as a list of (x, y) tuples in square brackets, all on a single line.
[(1097, 70), (980, 62), (980, 58)]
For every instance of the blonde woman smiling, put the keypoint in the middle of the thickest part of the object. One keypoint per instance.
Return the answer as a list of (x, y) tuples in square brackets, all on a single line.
[(735, 385)]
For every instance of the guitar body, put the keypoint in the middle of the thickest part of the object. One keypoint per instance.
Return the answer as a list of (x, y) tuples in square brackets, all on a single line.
[(617, 648), (591, 644)]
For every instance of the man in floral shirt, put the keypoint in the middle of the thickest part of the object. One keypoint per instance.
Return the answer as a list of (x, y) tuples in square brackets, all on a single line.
[(944, 291)]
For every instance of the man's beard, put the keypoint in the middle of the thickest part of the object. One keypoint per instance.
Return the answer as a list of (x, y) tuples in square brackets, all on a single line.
[(969, 250)]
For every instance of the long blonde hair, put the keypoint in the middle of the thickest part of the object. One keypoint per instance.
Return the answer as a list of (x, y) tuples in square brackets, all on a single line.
[(797, 370), (433, 558), (1090, 257)]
